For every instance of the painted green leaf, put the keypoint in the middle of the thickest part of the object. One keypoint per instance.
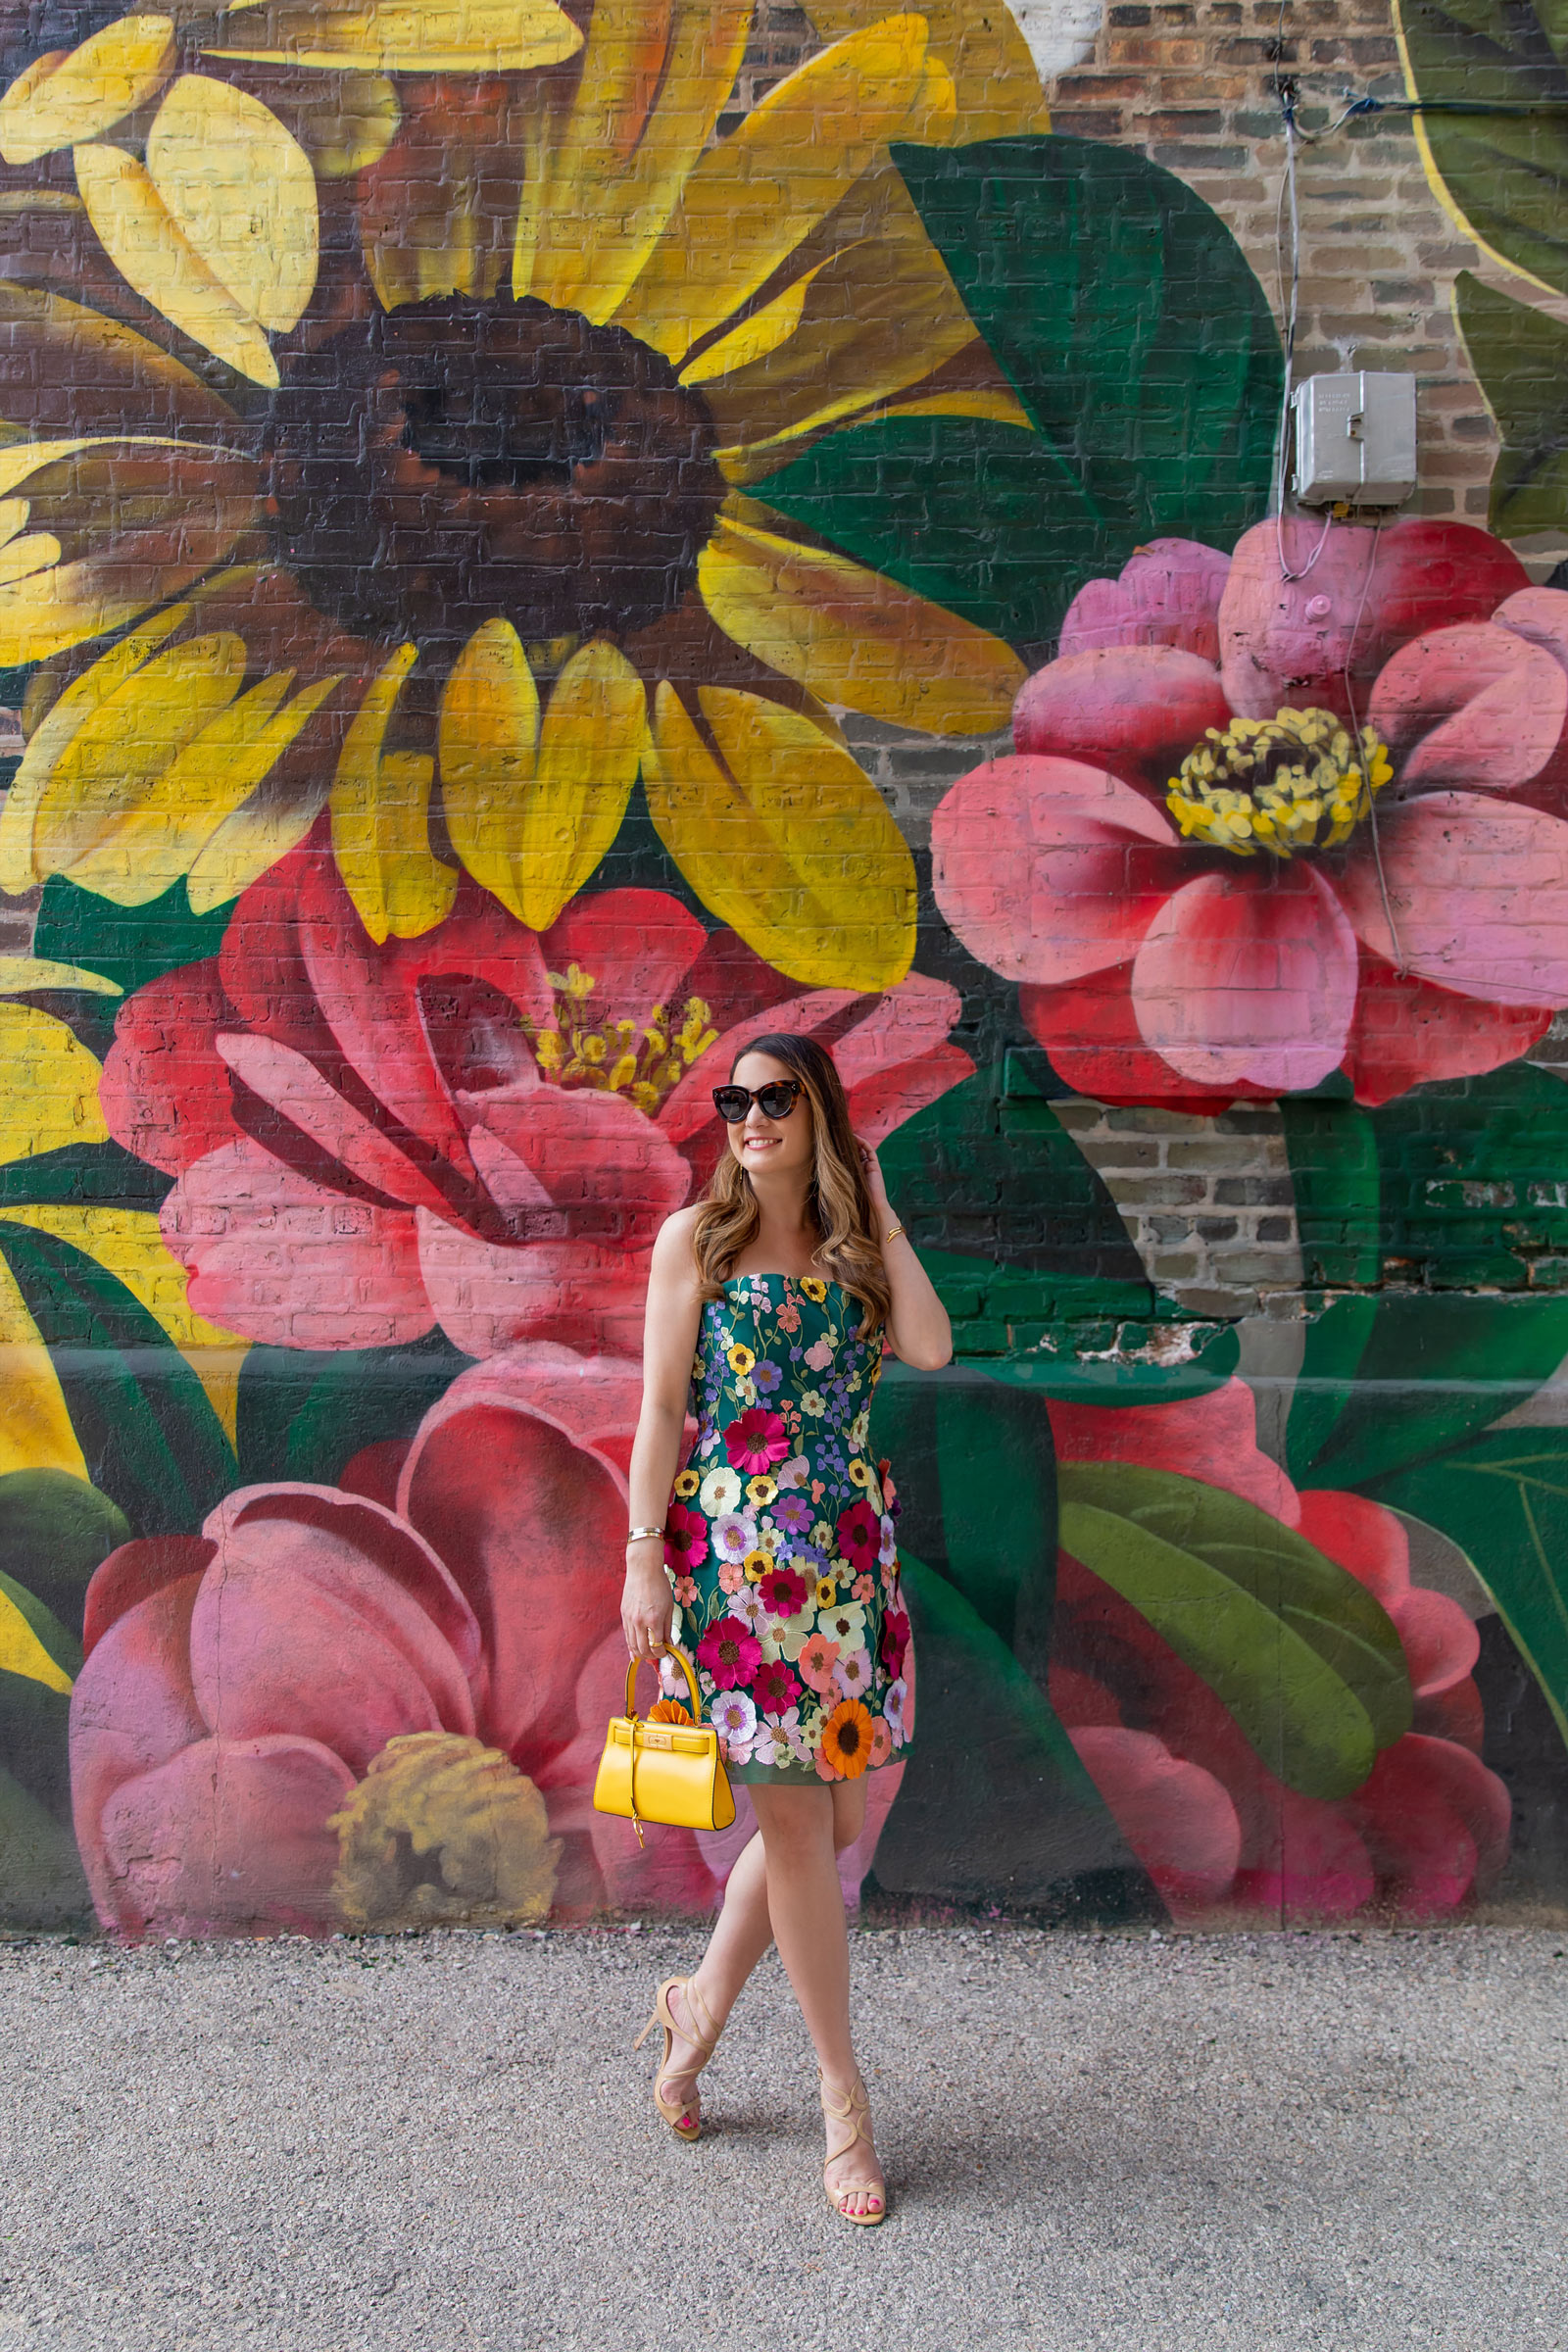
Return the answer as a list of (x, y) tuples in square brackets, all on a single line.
[(1499, 160), (130, 945), (996, 1465), (1334, 1173), (54, 1531), (994, 1803), (62, 1648), (151, 1441), (1472, 1182), (42, 1883), (1336, 1338), (304, 1415), (84, 1176), (34, 1740), (1520, 357), (1300, 1653), (1137, 340), (1503, 1499)]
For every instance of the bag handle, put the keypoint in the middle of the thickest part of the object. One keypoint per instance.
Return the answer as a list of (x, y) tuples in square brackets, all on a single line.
[(665, 1650)]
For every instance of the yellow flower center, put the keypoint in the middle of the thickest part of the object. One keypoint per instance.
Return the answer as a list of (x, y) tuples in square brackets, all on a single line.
[(646, 1062), (442, 1827), (1300, 780)]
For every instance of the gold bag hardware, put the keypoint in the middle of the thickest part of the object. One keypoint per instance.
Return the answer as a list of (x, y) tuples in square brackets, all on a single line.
[(666, 1772)]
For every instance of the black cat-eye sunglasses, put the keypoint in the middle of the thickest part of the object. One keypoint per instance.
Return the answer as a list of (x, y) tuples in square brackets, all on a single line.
[(777, 1100)]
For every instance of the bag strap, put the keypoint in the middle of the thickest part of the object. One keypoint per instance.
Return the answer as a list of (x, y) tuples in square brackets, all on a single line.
[(669, 1650)]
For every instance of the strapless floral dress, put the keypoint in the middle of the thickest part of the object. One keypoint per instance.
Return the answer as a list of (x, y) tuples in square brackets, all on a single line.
[(781, 1539)]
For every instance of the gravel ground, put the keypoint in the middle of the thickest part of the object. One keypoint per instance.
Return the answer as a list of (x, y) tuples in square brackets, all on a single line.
[(445, 2142)]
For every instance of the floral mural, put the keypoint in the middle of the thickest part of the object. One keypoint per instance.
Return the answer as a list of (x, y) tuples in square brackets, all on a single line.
[(488, 492)]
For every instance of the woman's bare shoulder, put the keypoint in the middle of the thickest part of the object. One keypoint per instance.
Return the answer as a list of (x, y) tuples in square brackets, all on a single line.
[(673, 1247)]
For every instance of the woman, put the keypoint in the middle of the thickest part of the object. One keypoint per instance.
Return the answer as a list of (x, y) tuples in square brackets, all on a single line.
[(785, 1284)]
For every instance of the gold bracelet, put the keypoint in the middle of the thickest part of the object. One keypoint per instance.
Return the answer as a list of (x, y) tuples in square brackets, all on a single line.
[(893, 1236), (635, 1535)]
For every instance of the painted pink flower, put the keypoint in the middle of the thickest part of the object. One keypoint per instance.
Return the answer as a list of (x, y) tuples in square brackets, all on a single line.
[(1209, 887), (481, 1127), (818, 1659), (240, 1684), (730, 1653), (685, 1538), (1425, 1831), (755, 1439), (859, 1534)]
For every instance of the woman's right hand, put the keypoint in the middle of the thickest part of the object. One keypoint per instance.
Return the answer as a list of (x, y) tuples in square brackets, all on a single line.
[(646, 1605)]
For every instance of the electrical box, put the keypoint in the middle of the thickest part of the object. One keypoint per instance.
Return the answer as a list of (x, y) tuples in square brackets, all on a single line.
[(1354, 440)]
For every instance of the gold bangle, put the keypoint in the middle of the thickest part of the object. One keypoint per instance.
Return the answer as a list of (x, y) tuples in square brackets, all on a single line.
[(635, 1535), (893, 1236)]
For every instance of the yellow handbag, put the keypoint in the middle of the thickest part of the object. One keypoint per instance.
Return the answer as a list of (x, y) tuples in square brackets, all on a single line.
[(666, 1772)]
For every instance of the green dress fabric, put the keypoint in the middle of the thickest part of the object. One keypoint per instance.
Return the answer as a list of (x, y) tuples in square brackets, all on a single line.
[(781, 1539)]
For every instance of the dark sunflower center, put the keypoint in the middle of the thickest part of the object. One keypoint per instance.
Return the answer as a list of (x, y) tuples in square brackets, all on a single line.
[(456, 459)]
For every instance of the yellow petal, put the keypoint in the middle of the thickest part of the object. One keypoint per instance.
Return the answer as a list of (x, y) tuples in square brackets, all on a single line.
[(241, 192), (54, 730), (24, 975), (852, 637), (20, 559), (761, 332), (137, 522), (153, 254), (95, 370), (784, 837), (130, 1244), (487, 739), (604, 181), (439, 219), (590, 747), (35, 1431), (405, 36), (157, 836), (342, 120), (116, 757), (996, 92), (757, 196), (78, 94), (380, 806), (998, 407), (248, 843), (48, 1085), (21, 1651)]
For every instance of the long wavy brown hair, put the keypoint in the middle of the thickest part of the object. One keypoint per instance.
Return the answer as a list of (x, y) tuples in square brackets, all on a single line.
[(837, 1197)]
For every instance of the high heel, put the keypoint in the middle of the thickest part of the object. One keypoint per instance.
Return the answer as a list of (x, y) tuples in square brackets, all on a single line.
[(685, 2126), (853, 2108)]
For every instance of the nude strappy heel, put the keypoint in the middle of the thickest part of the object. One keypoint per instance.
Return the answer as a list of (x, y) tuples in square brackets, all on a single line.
[(701, 2029), (853, 2108)]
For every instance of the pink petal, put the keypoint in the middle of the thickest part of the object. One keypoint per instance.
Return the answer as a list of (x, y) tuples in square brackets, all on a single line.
[(1362, 1536), (1368, 593), (277, 1259), (490, 1295), (1136, 710), (1047, 869), (1177, 1818), (637, 944), (595, 1156), (1407, 1032), (165, 1091), (533, 1525), (295, 1088), (1478, 891), (324, 1616), (1090, 1032), (132, 1708), (1311, 1866), (1441, 1643), (230, 1835), (1540, 617), (1436, 1822), (1213, 1438), (1168, 593), (1473, 706), (133, 1574), (1249, 976)]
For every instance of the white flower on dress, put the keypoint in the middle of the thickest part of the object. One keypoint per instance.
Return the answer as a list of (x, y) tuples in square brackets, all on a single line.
[(768, 1746), (795, 1472), (720, 1492), (708, 1443), (792, 1634), (812, 1401), (887, 1550), (861, 1429), (844, 1623), (747, 1605), (821, 1536), (734, 1535), (853, 1672), (745, 1388), (734, 1718), (894, 1700)]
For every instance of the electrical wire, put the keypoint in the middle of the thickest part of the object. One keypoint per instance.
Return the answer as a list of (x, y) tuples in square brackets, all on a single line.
[(1399, 964)]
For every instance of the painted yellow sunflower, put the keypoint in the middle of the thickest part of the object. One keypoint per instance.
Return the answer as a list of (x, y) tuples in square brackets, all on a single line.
[(422, 495)]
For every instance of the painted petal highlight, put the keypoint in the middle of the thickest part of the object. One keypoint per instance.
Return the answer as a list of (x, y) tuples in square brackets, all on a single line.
[(1474, 707), (429, 36), (995, 84), (1235, 981), (1479, 892), (784, 837), (80, 93), (1048, 869), (241, 192), (753, 199), (152, 252), (1137, 710), (381, 820), (850, 637)]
